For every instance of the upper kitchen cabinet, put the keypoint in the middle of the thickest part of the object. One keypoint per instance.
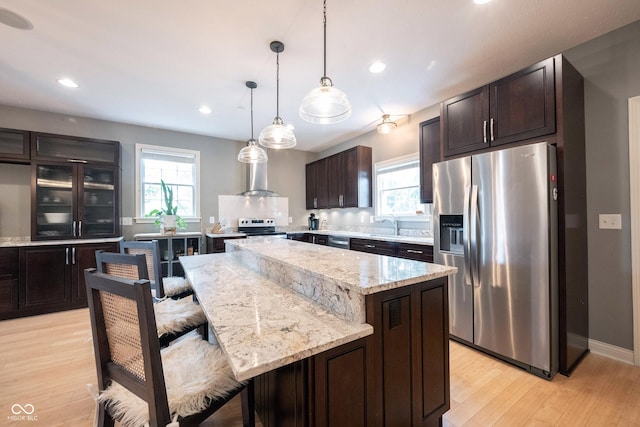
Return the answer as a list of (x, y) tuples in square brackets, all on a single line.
[(515, 108), (78, 197), (342, 180), (349, 175), (429, 154), (73, 149), (14, 145), (317, 196)]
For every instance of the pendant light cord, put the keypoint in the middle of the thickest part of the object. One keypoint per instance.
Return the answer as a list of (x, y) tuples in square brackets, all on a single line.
[(277, 84), (252, 114), (324, 22)]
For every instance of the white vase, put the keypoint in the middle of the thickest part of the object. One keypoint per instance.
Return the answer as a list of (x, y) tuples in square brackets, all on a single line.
[(169, 224)]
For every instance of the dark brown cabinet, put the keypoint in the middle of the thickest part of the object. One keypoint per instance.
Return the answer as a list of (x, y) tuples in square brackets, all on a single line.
[(50, 278), (429, 154), (399, 376), (75, 187), (8, 279), (74, 201), (415, 252), (518, 107), (395, 249), (378, 247), (14, 145), (317, 195), (343, 178), (216, 245)]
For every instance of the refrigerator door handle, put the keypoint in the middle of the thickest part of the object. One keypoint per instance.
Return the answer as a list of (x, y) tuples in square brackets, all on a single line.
[(466, 243), (474, 221)]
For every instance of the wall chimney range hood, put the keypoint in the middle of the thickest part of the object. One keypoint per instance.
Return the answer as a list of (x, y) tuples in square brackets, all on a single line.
[(257, 181)]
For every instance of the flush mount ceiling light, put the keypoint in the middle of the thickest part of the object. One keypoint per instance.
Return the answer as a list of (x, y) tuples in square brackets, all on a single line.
[(325, 104), (386, 125), (277, 135), (205, 109), (481, 1), (377, 67), (68, 83), (14, 20), (252, 153)]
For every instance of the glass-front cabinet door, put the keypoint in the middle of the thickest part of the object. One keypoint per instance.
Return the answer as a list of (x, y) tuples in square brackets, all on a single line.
[(54, 202), (74, 201), (98, 202)]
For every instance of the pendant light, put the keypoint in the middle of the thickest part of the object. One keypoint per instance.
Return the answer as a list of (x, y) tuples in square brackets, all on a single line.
[(277, 135), (386, 126), (252, 153), (325, 104)]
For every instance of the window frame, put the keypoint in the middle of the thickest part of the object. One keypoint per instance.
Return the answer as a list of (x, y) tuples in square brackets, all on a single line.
[(390, 163), (168, 151)]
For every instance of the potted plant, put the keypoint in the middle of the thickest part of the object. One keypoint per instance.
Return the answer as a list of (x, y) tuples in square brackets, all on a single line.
[(167, 218)]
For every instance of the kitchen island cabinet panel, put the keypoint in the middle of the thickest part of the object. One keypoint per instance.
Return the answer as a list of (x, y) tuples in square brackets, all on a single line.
[(281, 396)]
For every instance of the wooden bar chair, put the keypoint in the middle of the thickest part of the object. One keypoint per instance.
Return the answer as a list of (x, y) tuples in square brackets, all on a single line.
[(140, 383), (172, 287), (174, 317)]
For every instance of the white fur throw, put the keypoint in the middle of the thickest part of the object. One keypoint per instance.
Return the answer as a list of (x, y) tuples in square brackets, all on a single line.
[(175, 315), (175, 285), (195, 372)]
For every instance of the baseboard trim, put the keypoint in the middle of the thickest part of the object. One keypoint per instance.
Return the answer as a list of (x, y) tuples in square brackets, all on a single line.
[(611, 351)]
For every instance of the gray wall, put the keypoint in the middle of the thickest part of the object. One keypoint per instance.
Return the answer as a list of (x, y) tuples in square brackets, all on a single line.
[(220, 172), (611, 68)]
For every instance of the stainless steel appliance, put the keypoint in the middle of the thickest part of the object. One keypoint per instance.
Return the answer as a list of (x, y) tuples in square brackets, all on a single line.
[(338, 242), (495, 218), (259, 227)]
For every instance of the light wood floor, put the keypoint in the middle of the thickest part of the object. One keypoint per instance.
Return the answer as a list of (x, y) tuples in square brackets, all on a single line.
[(47, 361)]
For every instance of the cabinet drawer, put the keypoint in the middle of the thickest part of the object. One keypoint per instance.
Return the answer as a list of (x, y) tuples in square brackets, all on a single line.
[(377, 247), (75, 149), (416, 252), (14, 144)]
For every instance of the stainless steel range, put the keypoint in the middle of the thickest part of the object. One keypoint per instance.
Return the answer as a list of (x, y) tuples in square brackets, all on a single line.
[(259, 227)]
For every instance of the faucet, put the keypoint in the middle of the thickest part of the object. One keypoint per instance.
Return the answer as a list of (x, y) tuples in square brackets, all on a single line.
[(393, 221)]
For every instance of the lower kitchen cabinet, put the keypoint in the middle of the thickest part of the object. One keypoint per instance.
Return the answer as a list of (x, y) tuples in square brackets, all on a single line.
[(399, 376), (51, 278), (172, 247), (415, 252), (216, 245), (378, 247), (8, 279), (395, 249)]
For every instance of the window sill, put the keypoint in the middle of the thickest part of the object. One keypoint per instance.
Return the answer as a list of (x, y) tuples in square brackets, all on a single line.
[(150, 220)]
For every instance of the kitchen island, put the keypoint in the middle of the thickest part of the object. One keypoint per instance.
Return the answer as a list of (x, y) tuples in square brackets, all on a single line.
[(331, 336)]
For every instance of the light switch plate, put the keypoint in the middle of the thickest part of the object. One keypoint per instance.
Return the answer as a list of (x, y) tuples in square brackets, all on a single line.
[(610, 221), (212, 220), (127, 220)]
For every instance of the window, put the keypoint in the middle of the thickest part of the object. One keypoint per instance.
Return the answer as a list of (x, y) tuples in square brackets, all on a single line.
[(178, 168), (398, 186)]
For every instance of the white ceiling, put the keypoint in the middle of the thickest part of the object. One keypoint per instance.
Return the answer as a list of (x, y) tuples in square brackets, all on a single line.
[(154, 62)]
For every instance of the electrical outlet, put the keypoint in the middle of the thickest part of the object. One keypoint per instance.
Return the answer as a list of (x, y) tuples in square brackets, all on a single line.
[(290, 219), (371, 219), (127, 220), (610, 221), (212, 220)]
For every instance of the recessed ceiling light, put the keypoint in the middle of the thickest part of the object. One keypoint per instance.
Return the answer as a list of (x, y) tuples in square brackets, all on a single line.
[(68, 83), (205, 109), (481, 1), (377, 67)]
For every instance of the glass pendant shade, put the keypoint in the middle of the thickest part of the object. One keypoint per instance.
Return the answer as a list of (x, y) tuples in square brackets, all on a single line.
[(325, 104), (277, 136), (252, 153), (386, 126)]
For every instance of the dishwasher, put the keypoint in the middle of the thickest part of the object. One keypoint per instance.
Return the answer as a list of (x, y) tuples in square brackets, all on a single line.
[(338, 242)]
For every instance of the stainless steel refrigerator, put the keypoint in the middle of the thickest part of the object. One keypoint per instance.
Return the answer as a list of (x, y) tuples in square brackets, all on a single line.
[(495, 218)]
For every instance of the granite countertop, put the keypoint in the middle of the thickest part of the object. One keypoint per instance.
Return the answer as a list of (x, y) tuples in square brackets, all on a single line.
[(160, 235), (223, 235), (25, 241), (259, 324), (273, 301)]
